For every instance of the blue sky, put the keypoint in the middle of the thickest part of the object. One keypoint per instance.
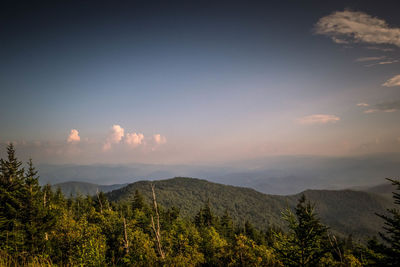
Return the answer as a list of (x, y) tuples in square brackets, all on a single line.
[(172, 82)]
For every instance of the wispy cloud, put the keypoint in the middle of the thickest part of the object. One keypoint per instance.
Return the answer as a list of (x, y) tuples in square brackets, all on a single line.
[(364, 59), (73, 136), (394, 81), (362, 104), (383, 49), (383, 63), (114, 137), (318, 119), (389, 106), (350, 26)]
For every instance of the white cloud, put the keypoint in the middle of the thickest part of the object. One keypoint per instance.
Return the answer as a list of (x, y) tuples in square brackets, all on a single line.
[(73, 136), (395, 81), (363, 59), (318, 119), (134, 139), (362, 105), (159, 139), (351, 26), (115, 136)]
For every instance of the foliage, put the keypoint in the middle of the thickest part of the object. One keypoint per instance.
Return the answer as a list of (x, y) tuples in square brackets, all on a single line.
[(40, 227), (388, 253), (354, 208), (304, 244)]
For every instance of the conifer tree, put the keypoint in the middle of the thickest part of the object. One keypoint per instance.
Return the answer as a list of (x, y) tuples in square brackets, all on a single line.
[(390, 250), (138, 201), (205, 217), (226, 225), (37, 220), (11, 193), (304, 244)]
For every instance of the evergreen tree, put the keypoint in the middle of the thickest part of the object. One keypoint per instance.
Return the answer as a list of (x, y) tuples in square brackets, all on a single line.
[(304, 244), (205, 217), (11, 199), (226, 226), (388, 254), (138, 201), (37, 219)]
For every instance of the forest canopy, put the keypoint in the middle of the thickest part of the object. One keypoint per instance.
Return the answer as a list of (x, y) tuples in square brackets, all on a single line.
[(39, 226)]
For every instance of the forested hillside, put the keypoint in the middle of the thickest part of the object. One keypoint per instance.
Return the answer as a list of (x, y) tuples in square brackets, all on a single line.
[(40, 227), (345, 211)]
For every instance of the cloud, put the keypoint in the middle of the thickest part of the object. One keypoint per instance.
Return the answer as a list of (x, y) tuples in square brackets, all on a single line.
[(73, 136), (359, 27), (134, 139), (384, 49), (389, 106), (318, 119), (395, 81), (383, 63), (159, 139), (114, 137), (363, 59), (362, 105)]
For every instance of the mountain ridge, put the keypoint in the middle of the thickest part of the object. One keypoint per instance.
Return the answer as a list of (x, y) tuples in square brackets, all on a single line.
[(345, 211)]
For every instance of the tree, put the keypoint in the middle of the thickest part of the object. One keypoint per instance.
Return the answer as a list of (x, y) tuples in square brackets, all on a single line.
[(388, 253), (226, 226), (36, 218), (304, 244), (12, 191), (205, 217), (138, 201), (245, 252)]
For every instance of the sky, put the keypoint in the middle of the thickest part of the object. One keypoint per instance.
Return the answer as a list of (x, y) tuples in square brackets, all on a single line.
[(184, 82)]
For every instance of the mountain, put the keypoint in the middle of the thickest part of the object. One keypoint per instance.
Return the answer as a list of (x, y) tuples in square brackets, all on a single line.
[(74, 188), (345, 211), (293, 174), (120, 174), (384, 190), (282, 175)]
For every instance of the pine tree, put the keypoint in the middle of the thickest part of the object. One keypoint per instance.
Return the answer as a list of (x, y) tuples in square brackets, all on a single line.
[(390, 250), (226, 226), (11, 195), (37, 219), (138, 201), (205, 217), (304, 244)]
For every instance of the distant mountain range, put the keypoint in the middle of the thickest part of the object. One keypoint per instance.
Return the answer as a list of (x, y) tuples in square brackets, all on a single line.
[(81, 188), (345, 211), (272, 175)]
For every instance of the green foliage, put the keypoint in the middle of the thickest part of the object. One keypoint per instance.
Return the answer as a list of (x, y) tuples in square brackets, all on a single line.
[(388, 253), (213, 246), (182, 244), (189, 195), (40, 227), (245, 252), (304, 244)]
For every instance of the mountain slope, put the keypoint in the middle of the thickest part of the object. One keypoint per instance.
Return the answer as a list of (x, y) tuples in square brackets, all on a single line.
[(345, 211), (74, 188)]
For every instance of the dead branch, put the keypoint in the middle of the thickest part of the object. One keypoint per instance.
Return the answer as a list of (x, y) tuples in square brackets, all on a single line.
[(156, 229)]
